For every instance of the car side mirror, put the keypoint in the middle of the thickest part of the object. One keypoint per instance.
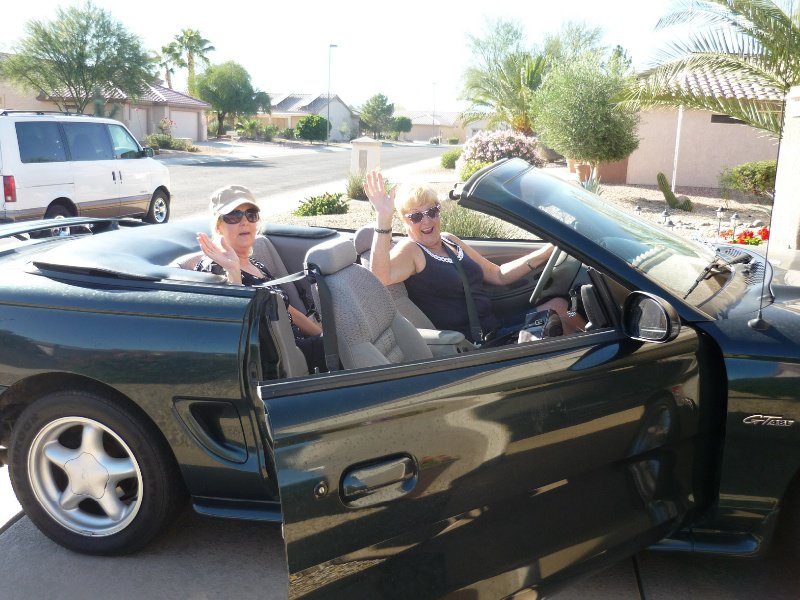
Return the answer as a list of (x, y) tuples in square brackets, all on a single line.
[(148, 152), (648, 318)]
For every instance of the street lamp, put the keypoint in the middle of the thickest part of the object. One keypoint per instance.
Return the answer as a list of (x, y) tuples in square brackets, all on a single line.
[(328, 136), (433, 116)]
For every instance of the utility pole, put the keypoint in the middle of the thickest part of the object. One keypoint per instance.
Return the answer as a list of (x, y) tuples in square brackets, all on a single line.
[(328, 136)]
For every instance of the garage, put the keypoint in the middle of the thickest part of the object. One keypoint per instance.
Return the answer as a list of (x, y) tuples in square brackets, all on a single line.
[(185, 124)]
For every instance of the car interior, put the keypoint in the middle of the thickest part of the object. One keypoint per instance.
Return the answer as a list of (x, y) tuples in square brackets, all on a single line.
[(372, 325)]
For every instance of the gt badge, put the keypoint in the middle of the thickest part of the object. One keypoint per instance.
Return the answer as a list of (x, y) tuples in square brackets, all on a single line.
[(769, 420)]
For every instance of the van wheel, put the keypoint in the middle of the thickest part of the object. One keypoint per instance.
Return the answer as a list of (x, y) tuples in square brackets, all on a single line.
[(159, 208), (91, 474), (57, 211)]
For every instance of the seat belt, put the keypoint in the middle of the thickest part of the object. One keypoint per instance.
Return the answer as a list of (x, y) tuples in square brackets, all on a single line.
[(472, 312), (327, 320)]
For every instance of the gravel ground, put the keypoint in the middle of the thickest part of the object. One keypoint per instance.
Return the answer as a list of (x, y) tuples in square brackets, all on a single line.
[(700, 223)]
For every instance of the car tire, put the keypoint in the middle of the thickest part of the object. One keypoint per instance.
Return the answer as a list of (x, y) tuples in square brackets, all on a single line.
[(159, 208), (54, 211), (91, 474)]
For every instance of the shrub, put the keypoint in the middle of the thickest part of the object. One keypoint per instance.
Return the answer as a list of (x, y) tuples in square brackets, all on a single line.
[(312, 128), (464, 222), (449, 158), (452, 141), (471, 167), (213, 128), (434, 141), (491, 146), (755, 178), (326, 204), (355, 186), (167, 142), (268, 132), (287, 134)]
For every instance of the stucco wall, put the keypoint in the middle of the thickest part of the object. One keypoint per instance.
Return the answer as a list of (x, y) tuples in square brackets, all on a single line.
[(705, 148)]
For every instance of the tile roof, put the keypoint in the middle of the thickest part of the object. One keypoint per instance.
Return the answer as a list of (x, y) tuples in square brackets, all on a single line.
[(440, 119), (155, 93), (300, 103), (723, 85)]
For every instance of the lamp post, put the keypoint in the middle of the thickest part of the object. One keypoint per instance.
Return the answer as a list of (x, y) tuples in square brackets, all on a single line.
[(734, 224), (720, 214), (665, 216), (328, 136), (433, 116)]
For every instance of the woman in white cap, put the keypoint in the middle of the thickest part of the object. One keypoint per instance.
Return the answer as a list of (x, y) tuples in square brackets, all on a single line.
[(229, 252)]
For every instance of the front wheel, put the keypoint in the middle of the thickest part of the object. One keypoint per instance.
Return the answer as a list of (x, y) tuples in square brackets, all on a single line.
[(159, 208), (92, 476)]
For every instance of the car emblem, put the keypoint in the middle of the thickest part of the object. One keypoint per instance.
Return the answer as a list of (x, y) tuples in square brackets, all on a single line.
[(770, 420)]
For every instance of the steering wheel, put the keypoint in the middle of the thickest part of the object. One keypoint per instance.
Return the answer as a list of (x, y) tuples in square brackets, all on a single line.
[(545, 276)]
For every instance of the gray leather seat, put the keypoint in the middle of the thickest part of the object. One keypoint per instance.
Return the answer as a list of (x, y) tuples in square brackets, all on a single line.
[(363, 244), (369, 329)]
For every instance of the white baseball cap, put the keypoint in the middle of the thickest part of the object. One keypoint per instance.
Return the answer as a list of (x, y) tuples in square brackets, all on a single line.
[(226, 199)]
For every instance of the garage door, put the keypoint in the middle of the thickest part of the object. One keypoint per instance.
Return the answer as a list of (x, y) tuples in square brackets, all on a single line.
[(185, 124), (138, 123)]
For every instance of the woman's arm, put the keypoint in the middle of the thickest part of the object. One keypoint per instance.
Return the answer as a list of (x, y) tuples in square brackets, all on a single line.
[(306, 325), (389, 265), (507, 272)]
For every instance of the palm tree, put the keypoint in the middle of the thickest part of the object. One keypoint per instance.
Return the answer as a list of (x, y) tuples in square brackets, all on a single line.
[(503, 93), (194, 47), (753, 42), (169, 58)]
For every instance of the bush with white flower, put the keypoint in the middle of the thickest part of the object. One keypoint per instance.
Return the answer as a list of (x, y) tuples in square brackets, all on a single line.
[(490, 146)]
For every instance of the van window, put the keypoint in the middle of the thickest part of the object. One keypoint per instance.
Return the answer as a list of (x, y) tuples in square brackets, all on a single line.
[(40, 142), (124, 145), (88, 141)]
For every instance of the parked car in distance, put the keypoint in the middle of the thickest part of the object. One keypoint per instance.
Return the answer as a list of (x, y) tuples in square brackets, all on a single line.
[(56, 165), (129, 382)]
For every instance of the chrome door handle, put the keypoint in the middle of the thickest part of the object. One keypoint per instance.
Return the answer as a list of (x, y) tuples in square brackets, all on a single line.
[(114, 175), (379, 481)]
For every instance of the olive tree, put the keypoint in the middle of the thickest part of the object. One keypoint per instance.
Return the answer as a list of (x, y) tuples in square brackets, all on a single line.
[(82, 50), (578, 114)]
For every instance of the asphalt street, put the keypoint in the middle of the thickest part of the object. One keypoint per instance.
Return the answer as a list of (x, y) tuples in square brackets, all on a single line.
[(201, 558)]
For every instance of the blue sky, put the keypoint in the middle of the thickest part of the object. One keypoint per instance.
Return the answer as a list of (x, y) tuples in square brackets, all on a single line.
[(413, 52)]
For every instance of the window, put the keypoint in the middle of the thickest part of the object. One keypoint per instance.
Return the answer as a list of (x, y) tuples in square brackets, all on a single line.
[(40, 142), (88, 141), (124, 145)]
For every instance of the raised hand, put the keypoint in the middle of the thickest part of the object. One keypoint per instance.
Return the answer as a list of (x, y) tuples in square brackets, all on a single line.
[(378, 197), (221, 253)]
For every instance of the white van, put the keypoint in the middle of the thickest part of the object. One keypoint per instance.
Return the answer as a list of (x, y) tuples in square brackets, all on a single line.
[(64, 165)]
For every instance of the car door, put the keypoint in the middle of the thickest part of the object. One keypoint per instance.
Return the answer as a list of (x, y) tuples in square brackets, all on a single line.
[(94, 169), (133, 173), (488, 472)]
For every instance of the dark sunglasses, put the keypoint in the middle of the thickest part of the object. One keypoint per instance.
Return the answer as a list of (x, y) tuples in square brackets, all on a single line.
[(431, 213), (235, 216)]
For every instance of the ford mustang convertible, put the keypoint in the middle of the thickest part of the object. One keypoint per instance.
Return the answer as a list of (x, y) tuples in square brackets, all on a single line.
[(420, 465)]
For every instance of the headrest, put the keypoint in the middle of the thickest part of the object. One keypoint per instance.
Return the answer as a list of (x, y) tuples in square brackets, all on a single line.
[(363, 239), (332, 255)]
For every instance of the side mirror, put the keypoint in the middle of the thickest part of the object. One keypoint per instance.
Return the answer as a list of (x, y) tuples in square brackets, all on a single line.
[(648, 318), (148, 152)]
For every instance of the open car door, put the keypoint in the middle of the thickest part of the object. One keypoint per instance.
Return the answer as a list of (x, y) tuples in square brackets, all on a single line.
[(492, 471)]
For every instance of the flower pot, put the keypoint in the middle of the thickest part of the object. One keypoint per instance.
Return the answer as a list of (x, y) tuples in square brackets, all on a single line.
[(584, 171), (571, 165)]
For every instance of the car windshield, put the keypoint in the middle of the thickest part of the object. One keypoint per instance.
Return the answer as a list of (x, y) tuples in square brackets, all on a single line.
[(671, 261)]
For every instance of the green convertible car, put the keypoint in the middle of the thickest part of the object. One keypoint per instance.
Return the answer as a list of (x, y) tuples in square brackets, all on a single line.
[(421, 465)]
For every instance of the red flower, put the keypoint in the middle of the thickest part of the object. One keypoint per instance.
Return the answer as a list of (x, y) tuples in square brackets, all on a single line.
[(763, 233)]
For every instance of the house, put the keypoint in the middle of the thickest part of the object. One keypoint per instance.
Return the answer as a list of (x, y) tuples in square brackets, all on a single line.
[(141, 115), (444, 125), (288, 109), (708, 142)]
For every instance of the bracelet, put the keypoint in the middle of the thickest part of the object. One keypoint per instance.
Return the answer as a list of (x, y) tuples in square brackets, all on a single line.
[(382, 230), (530, 266)]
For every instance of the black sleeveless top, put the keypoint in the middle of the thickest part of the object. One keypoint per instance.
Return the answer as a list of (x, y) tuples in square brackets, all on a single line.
[(439, 292)]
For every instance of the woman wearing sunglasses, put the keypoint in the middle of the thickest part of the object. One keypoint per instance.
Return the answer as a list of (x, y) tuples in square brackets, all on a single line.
[(423, 263), (229, 252)]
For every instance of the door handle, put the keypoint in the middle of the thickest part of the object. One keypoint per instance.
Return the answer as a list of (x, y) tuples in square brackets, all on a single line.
[(120, 176), (380, 481), (114, 176)]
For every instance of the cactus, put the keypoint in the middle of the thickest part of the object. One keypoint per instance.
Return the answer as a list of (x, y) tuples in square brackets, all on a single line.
[(669, 196)]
